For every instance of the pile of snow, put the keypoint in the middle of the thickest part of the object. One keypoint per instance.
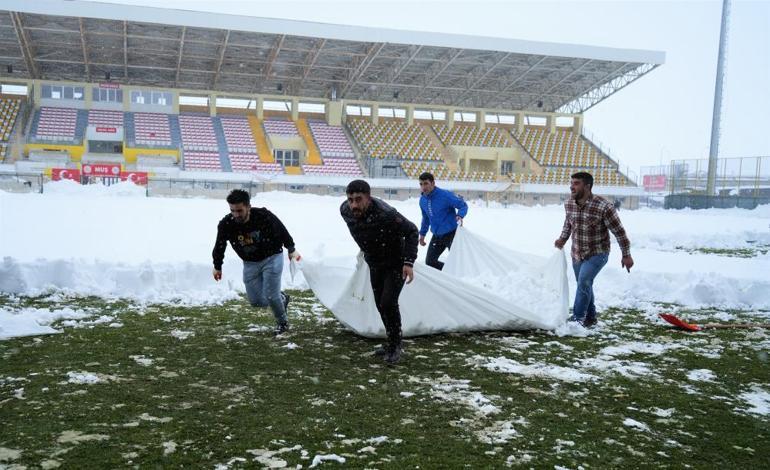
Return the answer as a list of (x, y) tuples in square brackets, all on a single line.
[(758, 401), (115, 242), (701, 375), (34, 321), (83, 378), (540, 370)]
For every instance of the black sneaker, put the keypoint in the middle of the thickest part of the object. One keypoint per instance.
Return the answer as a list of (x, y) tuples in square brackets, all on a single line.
[(286, 299), (393, 356), (280, 329), (381, 351), (590, 322)]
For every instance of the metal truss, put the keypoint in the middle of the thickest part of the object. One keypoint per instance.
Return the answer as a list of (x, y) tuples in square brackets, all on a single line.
[(236, 63), (597, 94)]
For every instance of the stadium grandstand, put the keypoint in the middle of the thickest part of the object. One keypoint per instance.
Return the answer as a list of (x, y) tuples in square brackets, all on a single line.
[(180, 94)]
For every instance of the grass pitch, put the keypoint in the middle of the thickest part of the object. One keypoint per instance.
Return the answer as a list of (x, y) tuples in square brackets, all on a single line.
[(209, 386)]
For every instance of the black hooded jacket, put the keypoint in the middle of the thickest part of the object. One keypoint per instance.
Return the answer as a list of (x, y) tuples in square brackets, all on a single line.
[(262, 236), (387, 238)]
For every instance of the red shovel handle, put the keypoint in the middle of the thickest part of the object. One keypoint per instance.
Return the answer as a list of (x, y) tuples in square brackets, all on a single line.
[(679, 322)]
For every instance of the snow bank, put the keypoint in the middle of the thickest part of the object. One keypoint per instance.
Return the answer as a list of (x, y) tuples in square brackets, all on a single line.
[(115, 242), (34, 321)]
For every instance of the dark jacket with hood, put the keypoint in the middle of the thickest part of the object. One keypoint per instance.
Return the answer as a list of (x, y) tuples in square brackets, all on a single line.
[(262, 236), (387, 238)]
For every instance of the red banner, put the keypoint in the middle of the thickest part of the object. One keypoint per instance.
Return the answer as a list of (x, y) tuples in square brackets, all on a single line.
[(137, 177), (106, 170), (654, 182), (109, 85), (58, 174), (107, 130)]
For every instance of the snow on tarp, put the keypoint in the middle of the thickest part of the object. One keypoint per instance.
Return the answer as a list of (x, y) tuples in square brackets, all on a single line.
[(483, 287)]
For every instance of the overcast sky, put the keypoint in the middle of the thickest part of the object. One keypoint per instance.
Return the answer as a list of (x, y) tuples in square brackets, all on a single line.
[(664, 115)]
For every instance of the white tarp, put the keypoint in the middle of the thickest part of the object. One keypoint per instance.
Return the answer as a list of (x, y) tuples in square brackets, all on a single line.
[(483, 287)]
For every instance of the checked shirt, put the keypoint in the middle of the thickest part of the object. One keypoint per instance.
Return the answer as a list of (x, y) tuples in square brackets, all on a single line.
[(589, 225)]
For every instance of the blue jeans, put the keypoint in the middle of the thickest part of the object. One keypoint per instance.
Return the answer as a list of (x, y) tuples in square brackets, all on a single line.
[(263, 284), (585, 272)]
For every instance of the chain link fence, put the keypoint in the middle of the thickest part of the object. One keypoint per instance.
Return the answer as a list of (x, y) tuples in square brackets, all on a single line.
[(744, 176)]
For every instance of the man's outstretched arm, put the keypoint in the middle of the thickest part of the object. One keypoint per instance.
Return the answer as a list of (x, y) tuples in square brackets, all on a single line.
[(566, 230), (218, 253), (612, 221)]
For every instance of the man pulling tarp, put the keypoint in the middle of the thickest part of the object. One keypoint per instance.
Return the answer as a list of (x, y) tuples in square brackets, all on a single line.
[(483, 287)]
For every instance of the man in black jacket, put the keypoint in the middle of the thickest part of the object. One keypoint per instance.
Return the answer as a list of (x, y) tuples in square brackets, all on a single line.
[(389, 243), (257, 236)]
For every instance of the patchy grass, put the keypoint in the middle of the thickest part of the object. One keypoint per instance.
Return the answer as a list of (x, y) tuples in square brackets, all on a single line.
[(210, 386), (746, 252)]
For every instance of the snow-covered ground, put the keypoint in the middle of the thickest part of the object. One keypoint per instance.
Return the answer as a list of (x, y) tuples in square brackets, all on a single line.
[(115, 242)]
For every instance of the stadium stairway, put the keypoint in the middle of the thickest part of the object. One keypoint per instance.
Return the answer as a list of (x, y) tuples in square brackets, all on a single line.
[(313, 154), (80, 127), (514, 142), (176, 132), (446, 154), (263, 150), (357, 151), (129, 127), (33, 123), (224, 155)]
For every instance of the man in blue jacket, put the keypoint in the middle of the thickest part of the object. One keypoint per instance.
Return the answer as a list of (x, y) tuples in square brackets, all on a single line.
[(442, 211)]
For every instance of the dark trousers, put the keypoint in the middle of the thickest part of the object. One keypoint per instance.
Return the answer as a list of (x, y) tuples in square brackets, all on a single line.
[(387, 284), (439, 243)]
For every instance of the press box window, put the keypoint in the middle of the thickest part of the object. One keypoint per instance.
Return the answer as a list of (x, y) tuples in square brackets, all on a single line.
[(108, 95), (58, 92)]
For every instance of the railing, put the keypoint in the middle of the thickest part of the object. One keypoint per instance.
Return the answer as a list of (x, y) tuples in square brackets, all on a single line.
[(745, 176), (22, 182), (607, 153)]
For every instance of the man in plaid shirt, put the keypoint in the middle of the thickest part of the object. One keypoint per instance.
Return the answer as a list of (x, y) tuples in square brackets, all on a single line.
[(589, 220)]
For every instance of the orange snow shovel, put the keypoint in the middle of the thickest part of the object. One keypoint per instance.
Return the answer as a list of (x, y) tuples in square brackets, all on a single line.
[(678, 322)]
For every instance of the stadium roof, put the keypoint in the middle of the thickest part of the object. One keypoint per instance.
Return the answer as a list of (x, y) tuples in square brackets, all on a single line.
[(82, 41)]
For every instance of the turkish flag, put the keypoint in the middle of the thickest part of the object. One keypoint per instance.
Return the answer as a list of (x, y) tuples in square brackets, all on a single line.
[(136, 177), (58, 174)]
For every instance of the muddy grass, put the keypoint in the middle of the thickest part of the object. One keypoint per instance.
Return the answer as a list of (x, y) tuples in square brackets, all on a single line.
[(165, 385)]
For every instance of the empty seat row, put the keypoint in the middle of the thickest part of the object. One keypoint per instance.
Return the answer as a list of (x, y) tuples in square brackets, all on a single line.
[(470, 135), (393, 139), (331, 140), (238, 135), (280, 127), (334, 166), (197, 132), (152, 129), (98, 117), (9, 110), (561, 148), (201, 161)]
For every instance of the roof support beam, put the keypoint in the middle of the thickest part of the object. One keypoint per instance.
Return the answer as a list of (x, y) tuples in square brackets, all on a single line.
[(179, 58), (371, 54), (405, 65), (26, 51), (85, 48), (544, 95), (598, 92), (481, 78), (520, 77), (259, 85), (311, 60), (429, 82), (222, 48)]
